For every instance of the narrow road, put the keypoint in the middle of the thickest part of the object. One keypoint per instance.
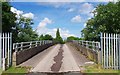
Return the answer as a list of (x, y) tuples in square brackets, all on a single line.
[(58, 58)]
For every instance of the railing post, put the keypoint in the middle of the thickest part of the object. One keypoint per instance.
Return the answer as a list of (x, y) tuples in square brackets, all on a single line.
[(16, 49), (3, 53), (36, 43), (30, 44), (21, 45), (93, 45), (10, 48), (86, 44)]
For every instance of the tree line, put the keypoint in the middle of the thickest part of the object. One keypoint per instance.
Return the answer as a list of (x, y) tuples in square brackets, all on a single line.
[(21, 27)]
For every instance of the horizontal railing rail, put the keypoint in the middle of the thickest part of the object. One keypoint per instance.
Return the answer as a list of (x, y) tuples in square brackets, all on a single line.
[(95, 46), (27, 45)]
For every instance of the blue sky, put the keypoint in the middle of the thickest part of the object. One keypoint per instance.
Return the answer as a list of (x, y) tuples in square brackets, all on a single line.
[(69, 17)]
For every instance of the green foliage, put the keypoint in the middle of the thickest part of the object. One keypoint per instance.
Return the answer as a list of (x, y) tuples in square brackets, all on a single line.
[(106, 19), (25, 31), (97, 68), (22, 30), (58, 37), (46, 37), (72, 38), (8, 20), (16, 70)]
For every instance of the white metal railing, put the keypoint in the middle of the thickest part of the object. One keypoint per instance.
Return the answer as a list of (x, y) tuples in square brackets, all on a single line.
[(110, 47), (26, 45), (95, 46), (5, 50)]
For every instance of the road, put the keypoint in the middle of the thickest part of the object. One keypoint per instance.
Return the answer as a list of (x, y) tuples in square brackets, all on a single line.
[(58, 58)]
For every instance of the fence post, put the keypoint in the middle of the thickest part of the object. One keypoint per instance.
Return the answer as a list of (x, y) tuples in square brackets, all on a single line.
[(119, 49), (30, 44), (8, 50), (0, 50), (36, 43), (21, 45), (3, 53)]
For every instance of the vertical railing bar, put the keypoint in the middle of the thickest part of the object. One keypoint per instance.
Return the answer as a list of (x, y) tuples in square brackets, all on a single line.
[(104, 52), (107, 50), (114, 51), (5, 45), (101, 49), (8, 50), (119, 50), (3, 53), (0, 50)]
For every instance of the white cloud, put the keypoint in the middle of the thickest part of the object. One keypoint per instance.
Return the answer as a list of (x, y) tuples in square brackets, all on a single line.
[(71, 10), (28, 15), (63, 32), (21, 13), (76, 19), (85, 24), (43, 23), (42, 29), (61, 1), (54, 4), (17, 12), (107, 0), (86, 8)]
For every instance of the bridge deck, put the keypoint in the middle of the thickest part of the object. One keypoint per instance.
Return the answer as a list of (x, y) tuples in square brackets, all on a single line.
[(57, 59)]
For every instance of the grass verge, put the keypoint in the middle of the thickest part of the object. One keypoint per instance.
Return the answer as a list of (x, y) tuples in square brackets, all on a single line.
[(98, 70), (16, 71)]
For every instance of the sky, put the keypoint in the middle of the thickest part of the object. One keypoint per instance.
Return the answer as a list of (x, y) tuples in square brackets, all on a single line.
[(69, 17)]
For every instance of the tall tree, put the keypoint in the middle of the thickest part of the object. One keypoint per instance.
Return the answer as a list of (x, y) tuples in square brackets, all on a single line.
[(8, 18), (58, 37)]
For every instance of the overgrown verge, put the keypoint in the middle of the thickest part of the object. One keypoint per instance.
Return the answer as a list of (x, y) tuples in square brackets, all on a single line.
[(16, 71), (96, 69)]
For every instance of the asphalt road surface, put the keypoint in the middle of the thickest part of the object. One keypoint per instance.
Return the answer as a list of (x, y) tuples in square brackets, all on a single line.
[(58, 58)]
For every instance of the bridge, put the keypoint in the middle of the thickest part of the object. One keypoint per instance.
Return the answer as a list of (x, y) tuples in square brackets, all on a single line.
[(47, 56)]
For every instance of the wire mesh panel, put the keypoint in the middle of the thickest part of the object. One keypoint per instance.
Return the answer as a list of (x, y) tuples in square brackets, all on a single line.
[(5, 50), (110, 47)]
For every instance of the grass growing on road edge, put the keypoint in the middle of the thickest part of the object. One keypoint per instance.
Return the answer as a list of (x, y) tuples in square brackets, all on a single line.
[(98, 69), (16, 70), (0, 71)]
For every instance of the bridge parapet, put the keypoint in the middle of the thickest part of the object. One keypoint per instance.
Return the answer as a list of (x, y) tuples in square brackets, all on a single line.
[(25, 50), (90, 49), (27, 45)]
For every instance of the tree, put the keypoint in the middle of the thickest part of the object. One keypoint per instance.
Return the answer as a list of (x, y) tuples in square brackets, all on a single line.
[(46, 37), (72, 38), (41, 37), (8, 20), (106, 19), (58, 37), (25, 30)]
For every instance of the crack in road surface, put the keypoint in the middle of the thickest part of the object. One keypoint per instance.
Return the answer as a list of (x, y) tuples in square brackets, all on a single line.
[(58, 60)]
